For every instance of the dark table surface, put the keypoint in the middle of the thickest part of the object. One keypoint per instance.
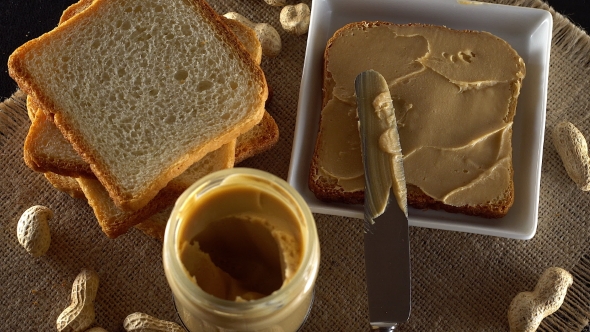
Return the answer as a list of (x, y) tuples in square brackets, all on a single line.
[(22, 20)]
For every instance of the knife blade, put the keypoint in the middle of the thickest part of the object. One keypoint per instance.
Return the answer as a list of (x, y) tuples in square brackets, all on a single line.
[(387, 249)]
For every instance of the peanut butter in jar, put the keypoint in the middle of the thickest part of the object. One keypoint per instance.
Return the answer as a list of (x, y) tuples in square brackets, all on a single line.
[(241, 253)]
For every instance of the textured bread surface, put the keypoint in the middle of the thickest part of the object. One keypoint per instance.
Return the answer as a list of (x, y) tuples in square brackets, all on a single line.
[(246, 35), (110, 75), (327, 188), (46, 150)]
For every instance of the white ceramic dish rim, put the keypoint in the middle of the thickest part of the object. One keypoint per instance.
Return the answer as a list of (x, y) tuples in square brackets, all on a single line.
[(528, 30)]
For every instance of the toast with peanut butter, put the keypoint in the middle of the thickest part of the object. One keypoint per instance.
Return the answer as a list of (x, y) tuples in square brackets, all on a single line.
[(455, 95)]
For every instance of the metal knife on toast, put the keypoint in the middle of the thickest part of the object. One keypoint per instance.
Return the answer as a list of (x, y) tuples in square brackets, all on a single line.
[(387, 248)]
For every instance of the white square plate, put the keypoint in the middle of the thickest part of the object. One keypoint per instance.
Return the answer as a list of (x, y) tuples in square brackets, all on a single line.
[(527, 30)]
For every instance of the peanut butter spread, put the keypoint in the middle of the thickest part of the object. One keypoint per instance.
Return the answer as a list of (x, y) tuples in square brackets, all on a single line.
[(240, 242), (381, 148), (454, 95), (389, 144)]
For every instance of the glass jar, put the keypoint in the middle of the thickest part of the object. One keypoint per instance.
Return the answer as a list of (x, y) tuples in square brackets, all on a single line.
[(286, 308)]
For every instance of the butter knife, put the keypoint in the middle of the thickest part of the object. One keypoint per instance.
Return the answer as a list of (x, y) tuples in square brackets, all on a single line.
[(387, 248)]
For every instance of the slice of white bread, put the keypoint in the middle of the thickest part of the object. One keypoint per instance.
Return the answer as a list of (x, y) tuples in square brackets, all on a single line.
[(411, 57), (246, 35), (110, 75), (259, 139), (46, 150)]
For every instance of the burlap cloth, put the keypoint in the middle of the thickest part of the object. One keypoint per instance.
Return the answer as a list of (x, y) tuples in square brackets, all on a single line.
[(459, 281)]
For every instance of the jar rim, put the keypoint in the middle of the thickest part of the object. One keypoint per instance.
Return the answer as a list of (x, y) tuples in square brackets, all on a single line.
[(196, 295)]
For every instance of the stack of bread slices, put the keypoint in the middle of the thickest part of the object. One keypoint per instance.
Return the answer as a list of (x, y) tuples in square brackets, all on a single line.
[(133, 101)]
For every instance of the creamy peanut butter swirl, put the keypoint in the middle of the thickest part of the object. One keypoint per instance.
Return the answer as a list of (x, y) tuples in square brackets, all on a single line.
[(240, 241), (454, 94)]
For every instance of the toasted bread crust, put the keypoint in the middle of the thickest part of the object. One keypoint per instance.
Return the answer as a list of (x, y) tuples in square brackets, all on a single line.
[(66, 184), (115, 224), (259, 139), (39, 160), (124, 199), (247, 38), (32, 108), (328, 190), (155, 226), (490, 210), (152, 228), (74, 9)]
